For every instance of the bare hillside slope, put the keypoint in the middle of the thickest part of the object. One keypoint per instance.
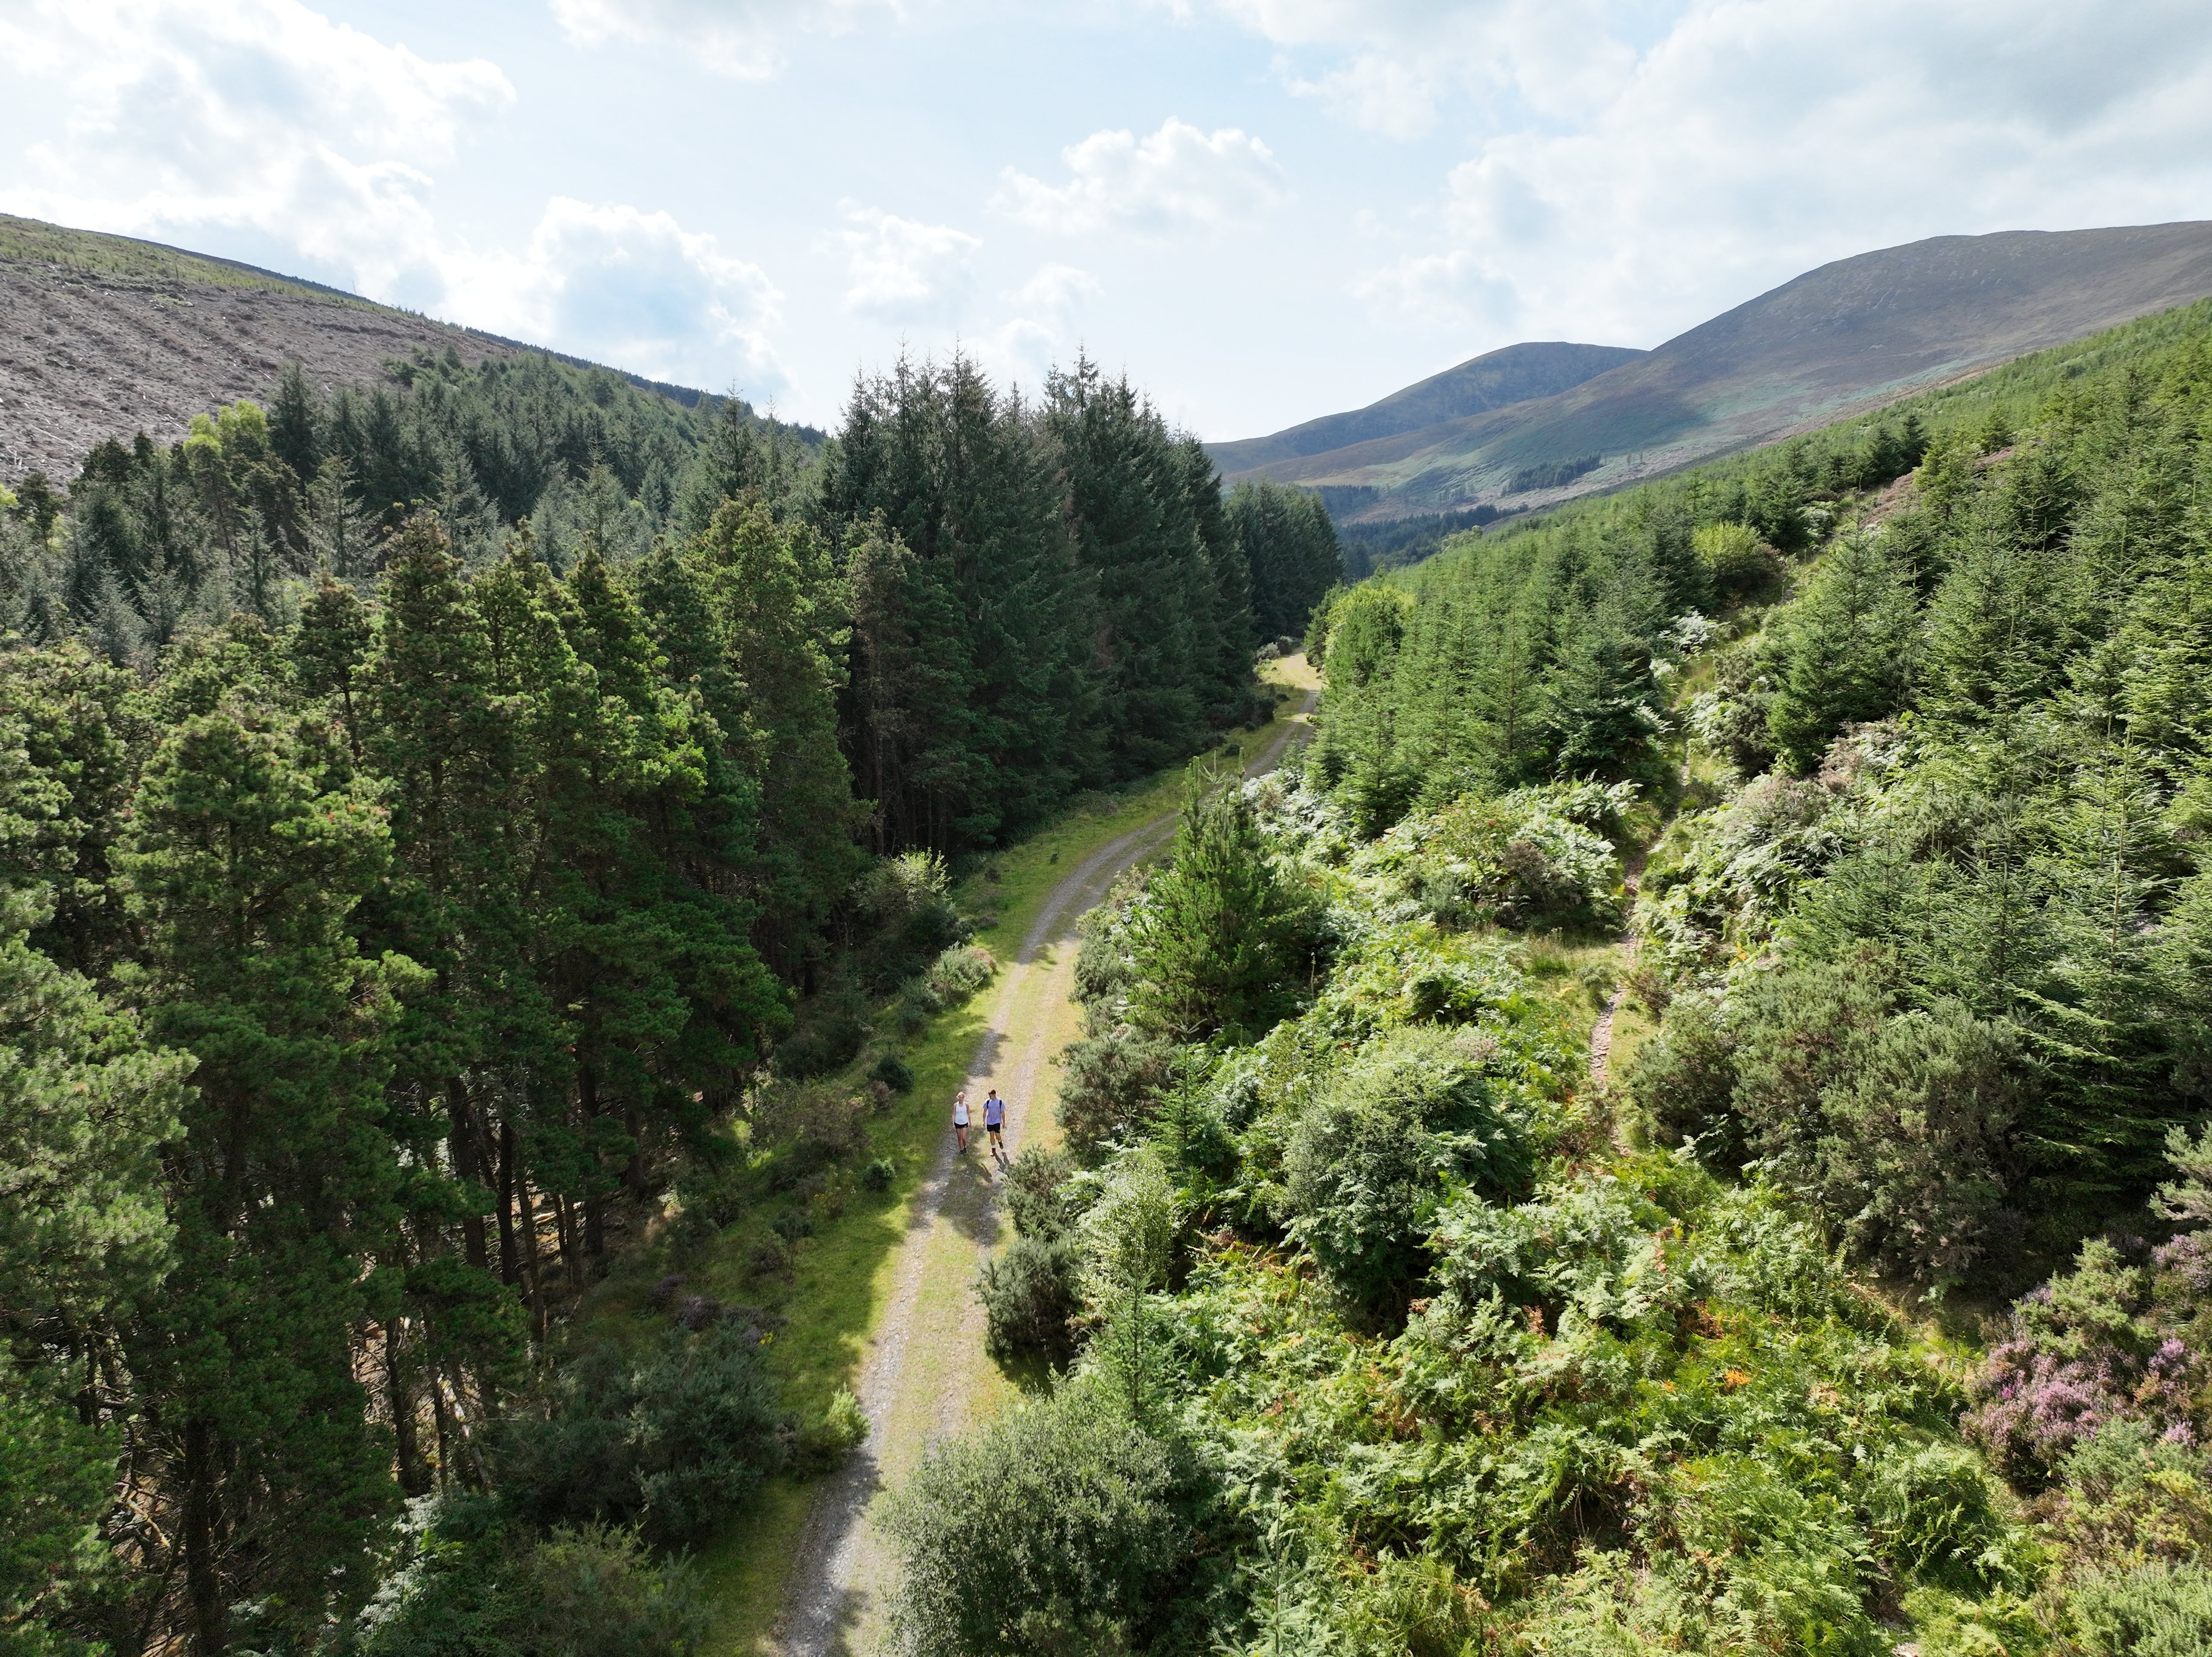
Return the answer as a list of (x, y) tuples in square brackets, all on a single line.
[(104, 336)]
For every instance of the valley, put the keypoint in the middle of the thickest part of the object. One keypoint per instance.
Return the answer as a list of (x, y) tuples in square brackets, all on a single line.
[(1633, 1081)]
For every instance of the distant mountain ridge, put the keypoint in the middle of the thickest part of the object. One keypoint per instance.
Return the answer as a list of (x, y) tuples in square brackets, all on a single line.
[(1496, 379), (1839, 340)]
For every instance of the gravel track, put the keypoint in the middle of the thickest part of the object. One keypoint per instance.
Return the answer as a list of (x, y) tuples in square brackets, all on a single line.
[(930, 1337)]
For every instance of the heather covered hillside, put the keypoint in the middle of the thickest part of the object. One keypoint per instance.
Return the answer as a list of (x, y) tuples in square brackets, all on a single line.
[(1847, 337)]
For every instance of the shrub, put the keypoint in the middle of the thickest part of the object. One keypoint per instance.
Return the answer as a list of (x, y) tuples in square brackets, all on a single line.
[(1736, 563), (597, 1593), (1037, 1196), (878, 1173), (1896, 1123), (468, 1587), (2134, 1495), (1684, 1080), (2154, 1610), (770, 1258), (1102, 972), (678, 1442), (906, 902), (842, 1426), (2083, 1351), (1079, 1510), (1729, 720), (829, 1032), (1111, 1085), (805, 1159), (950, 979), (1368, 1167), (1029, 1293), (893, 1072), (1532, 857)]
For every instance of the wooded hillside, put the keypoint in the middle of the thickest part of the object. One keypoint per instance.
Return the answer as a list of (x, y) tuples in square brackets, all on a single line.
[(431, 817)]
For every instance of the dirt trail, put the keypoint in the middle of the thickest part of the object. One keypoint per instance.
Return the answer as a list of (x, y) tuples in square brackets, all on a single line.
[(1601, 1045), (926, 1362)]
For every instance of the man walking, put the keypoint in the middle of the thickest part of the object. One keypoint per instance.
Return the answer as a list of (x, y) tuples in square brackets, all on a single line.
[(995, 1122)]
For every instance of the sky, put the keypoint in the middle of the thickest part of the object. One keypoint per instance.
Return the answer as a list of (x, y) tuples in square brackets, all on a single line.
[(1260, 210)]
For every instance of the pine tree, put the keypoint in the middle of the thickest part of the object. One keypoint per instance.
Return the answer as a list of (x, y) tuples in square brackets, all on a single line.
[(1213, 939), (245, 880), (1847, 651), (773, 634)]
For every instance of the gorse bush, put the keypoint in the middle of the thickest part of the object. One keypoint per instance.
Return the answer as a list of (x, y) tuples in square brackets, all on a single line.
[(1040, 1199), (1079, 1514), (1031, 1295), (956, 973)]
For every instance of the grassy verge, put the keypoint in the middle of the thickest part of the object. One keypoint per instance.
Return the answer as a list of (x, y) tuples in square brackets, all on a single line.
[(833, 1285)]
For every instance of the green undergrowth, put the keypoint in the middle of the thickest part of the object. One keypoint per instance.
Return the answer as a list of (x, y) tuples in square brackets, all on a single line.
[(815, 1284)]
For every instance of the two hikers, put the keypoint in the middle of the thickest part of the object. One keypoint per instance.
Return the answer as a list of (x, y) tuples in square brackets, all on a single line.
[(994, 1121)]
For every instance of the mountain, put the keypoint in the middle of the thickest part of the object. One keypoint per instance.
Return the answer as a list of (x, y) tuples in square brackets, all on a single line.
[(103, 335), (1836, 341), (1515, 374)]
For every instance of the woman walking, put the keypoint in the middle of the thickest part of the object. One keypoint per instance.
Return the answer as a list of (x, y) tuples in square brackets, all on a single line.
[(960, 1119)]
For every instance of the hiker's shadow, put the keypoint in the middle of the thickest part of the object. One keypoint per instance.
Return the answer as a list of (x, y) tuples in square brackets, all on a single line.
[(986, 1054), (972, 1197)]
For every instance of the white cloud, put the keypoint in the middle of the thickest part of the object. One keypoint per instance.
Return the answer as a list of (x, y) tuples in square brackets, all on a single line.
[(743, 38), (1393, 65), (1177, 178), (265, 117), (1045, 327), (253, 114), (1627, 171), (628, 287), (905, 272)]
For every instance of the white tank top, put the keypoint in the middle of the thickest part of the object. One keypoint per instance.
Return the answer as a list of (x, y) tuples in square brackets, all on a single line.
[(960, 1112)]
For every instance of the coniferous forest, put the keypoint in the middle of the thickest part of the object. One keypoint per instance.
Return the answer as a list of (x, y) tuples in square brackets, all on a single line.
[(425, 811), (1679, 1123), (1848, 798)]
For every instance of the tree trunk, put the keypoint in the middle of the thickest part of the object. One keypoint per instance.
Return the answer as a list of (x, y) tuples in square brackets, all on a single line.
[(399, 1395), (565, 1219), (203, 1582), (507, 1259), (533, 1270), (633, 1171), (595, 1236), (462, 1145)]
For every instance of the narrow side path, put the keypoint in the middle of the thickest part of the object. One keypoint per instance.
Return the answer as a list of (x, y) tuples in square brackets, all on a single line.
[(1601, 1043), (925, 1367)]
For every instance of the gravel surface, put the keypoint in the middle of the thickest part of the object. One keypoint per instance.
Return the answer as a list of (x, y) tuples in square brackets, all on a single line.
[(927, 1339)]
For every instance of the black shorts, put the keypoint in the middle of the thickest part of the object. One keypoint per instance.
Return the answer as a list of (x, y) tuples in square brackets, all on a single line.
[(994, 1126)]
